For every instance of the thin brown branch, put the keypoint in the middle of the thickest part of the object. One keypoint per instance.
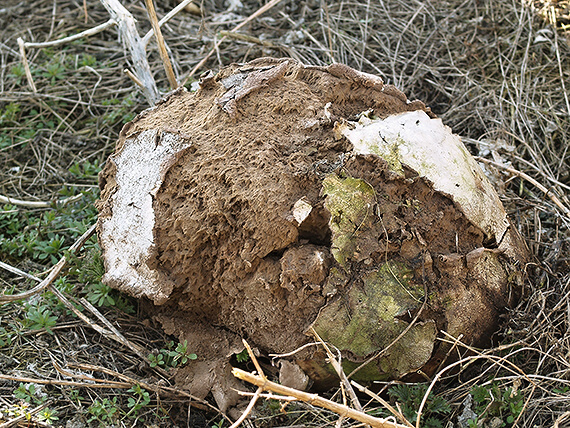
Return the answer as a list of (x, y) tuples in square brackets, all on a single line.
[(315, 400), (161, 45), (58, 382)]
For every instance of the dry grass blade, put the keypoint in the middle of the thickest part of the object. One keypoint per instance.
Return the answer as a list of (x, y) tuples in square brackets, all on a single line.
[(531, 180), (397, 413), (260, 11), (161, 45)]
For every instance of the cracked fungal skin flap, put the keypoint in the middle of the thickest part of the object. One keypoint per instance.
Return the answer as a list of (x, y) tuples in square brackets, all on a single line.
[(369, 318)]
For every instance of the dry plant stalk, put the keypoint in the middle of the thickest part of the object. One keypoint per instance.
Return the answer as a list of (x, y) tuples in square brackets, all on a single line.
[(315, 399), (132, 41), (531, 180), (266, 385), (161, 45), (336, 363)]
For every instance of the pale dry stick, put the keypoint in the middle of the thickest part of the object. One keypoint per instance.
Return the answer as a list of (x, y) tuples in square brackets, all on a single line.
[(86, 16), (23, 45), (539, 171), (161, 45), (102, 331), (132, 41), (27, 414), (448, 353), (397, 413), (90, 32), (288, 354), (562, 79), (17, 271), (269, 396), (56, 270), (122, 339), (61, 297), (146, 38), (134, 78), (253, 359), (112, 333), (248, 409), (562, 418), (330, 39), (60, 369), (398, 83), (311, 37), (260, 11), (501, 361), (109, 384), (246, 38), (531, 180), (29, 78), (316, 400), (339, 371), (365, 35)]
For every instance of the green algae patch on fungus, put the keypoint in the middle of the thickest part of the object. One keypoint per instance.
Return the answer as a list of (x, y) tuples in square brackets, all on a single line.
[(366, 320), (350, 202)]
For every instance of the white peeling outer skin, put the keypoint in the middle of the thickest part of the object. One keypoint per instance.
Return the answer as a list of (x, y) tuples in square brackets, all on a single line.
[(127, 235), (433, 151)]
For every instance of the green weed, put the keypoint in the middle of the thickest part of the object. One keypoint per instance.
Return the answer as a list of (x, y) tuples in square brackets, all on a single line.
[(140, 399), (105, 411), (5, 337), (74, 395), (242, 357), (28, 393), (506, 404), (87, 60), (172, 357), (54, 71), (18, 73), (40, 317), (410, 398), (48, 416)]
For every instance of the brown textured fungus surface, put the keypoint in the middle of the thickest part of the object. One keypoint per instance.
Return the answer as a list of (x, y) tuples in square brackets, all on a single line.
[(232, 261)]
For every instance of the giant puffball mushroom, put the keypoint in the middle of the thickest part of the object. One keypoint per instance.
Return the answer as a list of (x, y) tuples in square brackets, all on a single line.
[(280, 197)]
